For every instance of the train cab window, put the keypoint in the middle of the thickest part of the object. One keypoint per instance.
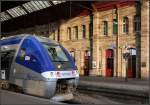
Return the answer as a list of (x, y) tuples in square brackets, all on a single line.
[(6, 61), (22, 54), (58, 56)]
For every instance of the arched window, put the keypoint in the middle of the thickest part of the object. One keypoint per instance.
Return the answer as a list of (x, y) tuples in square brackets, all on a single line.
[(58, 34), (136, 24), (75, 31), (105, 28), (125, 25), (84, 31), (69, 32), (115, 26)]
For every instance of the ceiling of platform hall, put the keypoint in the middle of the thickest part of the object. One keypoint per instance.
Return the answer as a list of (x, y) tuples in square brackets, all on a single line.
[(13, 9)]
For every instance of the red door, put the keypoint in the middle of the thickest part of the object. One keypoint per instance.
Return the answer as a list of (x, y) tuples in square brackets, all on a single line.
[(132, 66), (109, 63), (86, 63)]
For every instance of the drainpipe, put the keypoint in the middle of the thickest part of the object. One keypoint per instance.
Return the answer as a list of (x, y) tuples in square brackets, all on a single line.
[(117, 39), (91, 39), (138, 39)]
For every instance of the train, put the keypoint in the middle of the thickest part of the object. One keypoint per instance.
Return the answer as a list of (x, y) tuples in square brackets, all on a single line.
[(39, 66)]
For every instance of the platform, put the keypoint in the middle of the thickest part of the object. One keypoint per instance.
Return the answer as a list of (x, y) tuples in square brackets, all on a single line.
[(8, 97)]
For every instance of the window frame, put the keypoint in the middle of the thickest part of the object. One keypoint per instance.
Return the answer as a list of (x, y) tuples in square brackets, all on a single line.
[(125, 25), (115, 26), (84, 31), (76, 33), (69, 33), (136, 24), (105, 28)]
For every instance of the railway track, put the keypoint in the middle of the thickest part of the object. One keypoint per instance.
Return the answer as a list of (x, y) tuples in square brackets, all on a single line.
[(117, 95), (106, 96)]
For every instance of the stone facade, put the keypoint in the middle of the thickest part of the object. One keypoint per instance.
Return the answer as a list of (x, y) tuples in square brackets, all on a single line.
[(79, 45)]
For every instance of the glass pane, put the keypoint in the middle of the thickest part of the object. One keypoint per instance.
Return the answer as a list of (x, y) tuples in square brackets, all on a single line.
[(11, 13), (35, 6), (56, 53), (17, 12), (84, 31), (5, 16), (27, 7), (105, 27), (47, 3), (23, 12), (43, 5), (57, 2), (32, 7), (2, 19), (115, 26), (39, 5)]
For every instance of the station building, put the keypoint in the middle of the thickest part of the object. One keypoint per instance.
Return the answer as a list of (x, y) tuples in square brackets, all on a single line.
[(116, 31)]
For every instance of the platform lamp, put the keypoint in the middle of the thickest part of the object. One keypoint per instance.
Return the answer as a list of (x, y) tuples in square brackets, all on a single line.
[(126, 56)]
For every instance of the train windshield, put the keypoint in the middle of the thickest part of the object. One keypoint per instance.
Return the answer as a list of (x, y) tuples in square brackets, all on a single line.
[(56, 53), (58, 56)]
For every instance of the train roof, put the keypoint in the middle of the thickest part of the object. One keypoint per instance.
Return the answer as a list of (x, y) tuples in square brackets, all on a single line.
[(17, 38)]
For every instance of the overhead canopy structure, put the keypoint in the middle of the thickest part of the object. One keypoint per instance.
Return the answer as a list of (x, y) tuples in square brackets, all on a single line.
[(30, 13), (23, 8)]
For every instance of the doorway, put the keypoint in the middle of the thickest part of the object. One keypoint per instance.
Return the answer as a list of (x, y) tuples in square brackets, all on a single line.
[(109, 63), (86, 63), (132, 63), (6, 61)]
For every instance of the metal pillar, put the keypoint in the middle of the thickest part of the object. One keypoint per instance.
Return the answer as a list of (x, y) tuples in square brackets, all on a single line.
[(138, 39), (91, 39), (117, 40)]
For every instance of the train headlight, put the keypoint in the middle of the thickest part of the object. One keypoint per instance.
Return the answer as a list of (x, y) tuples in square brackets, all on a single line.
[(58, 66)]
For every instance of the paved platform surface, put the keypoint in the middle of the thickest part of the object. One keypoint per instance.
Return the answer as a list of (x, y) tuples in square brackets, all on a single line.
[(8, 97), (132, 86)]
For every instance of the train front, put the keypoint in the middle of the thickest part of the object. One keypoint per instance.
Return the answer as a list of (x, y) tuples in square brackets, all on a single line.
[(64, 77)]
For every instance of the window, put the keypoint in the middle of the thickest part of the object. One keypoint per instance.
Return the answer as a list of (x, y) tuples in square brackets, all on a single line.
[(136, 24), (76, 32), (105, 28), (58, 36), (84, 31), (56, 53), (4, 16), (125, 25), (69, 32), (36, 5), (115, 26), (54, 35)]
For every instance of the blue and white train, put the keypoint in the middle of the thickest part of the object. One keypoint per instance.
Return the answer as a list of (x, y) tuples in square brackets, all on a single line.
[(38, 65)]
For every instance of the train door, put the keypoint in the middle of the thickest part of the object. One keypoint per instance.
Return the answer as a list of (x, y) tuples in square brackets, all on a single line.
[(6, 61), (132, 63), (109, 62), (86, 63)]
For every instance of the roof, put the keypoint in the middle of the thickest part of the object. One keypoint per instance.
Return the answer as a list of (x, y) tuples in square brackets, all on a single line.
[(31, 15), (11, 9), (17, 38), (11, 40)]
